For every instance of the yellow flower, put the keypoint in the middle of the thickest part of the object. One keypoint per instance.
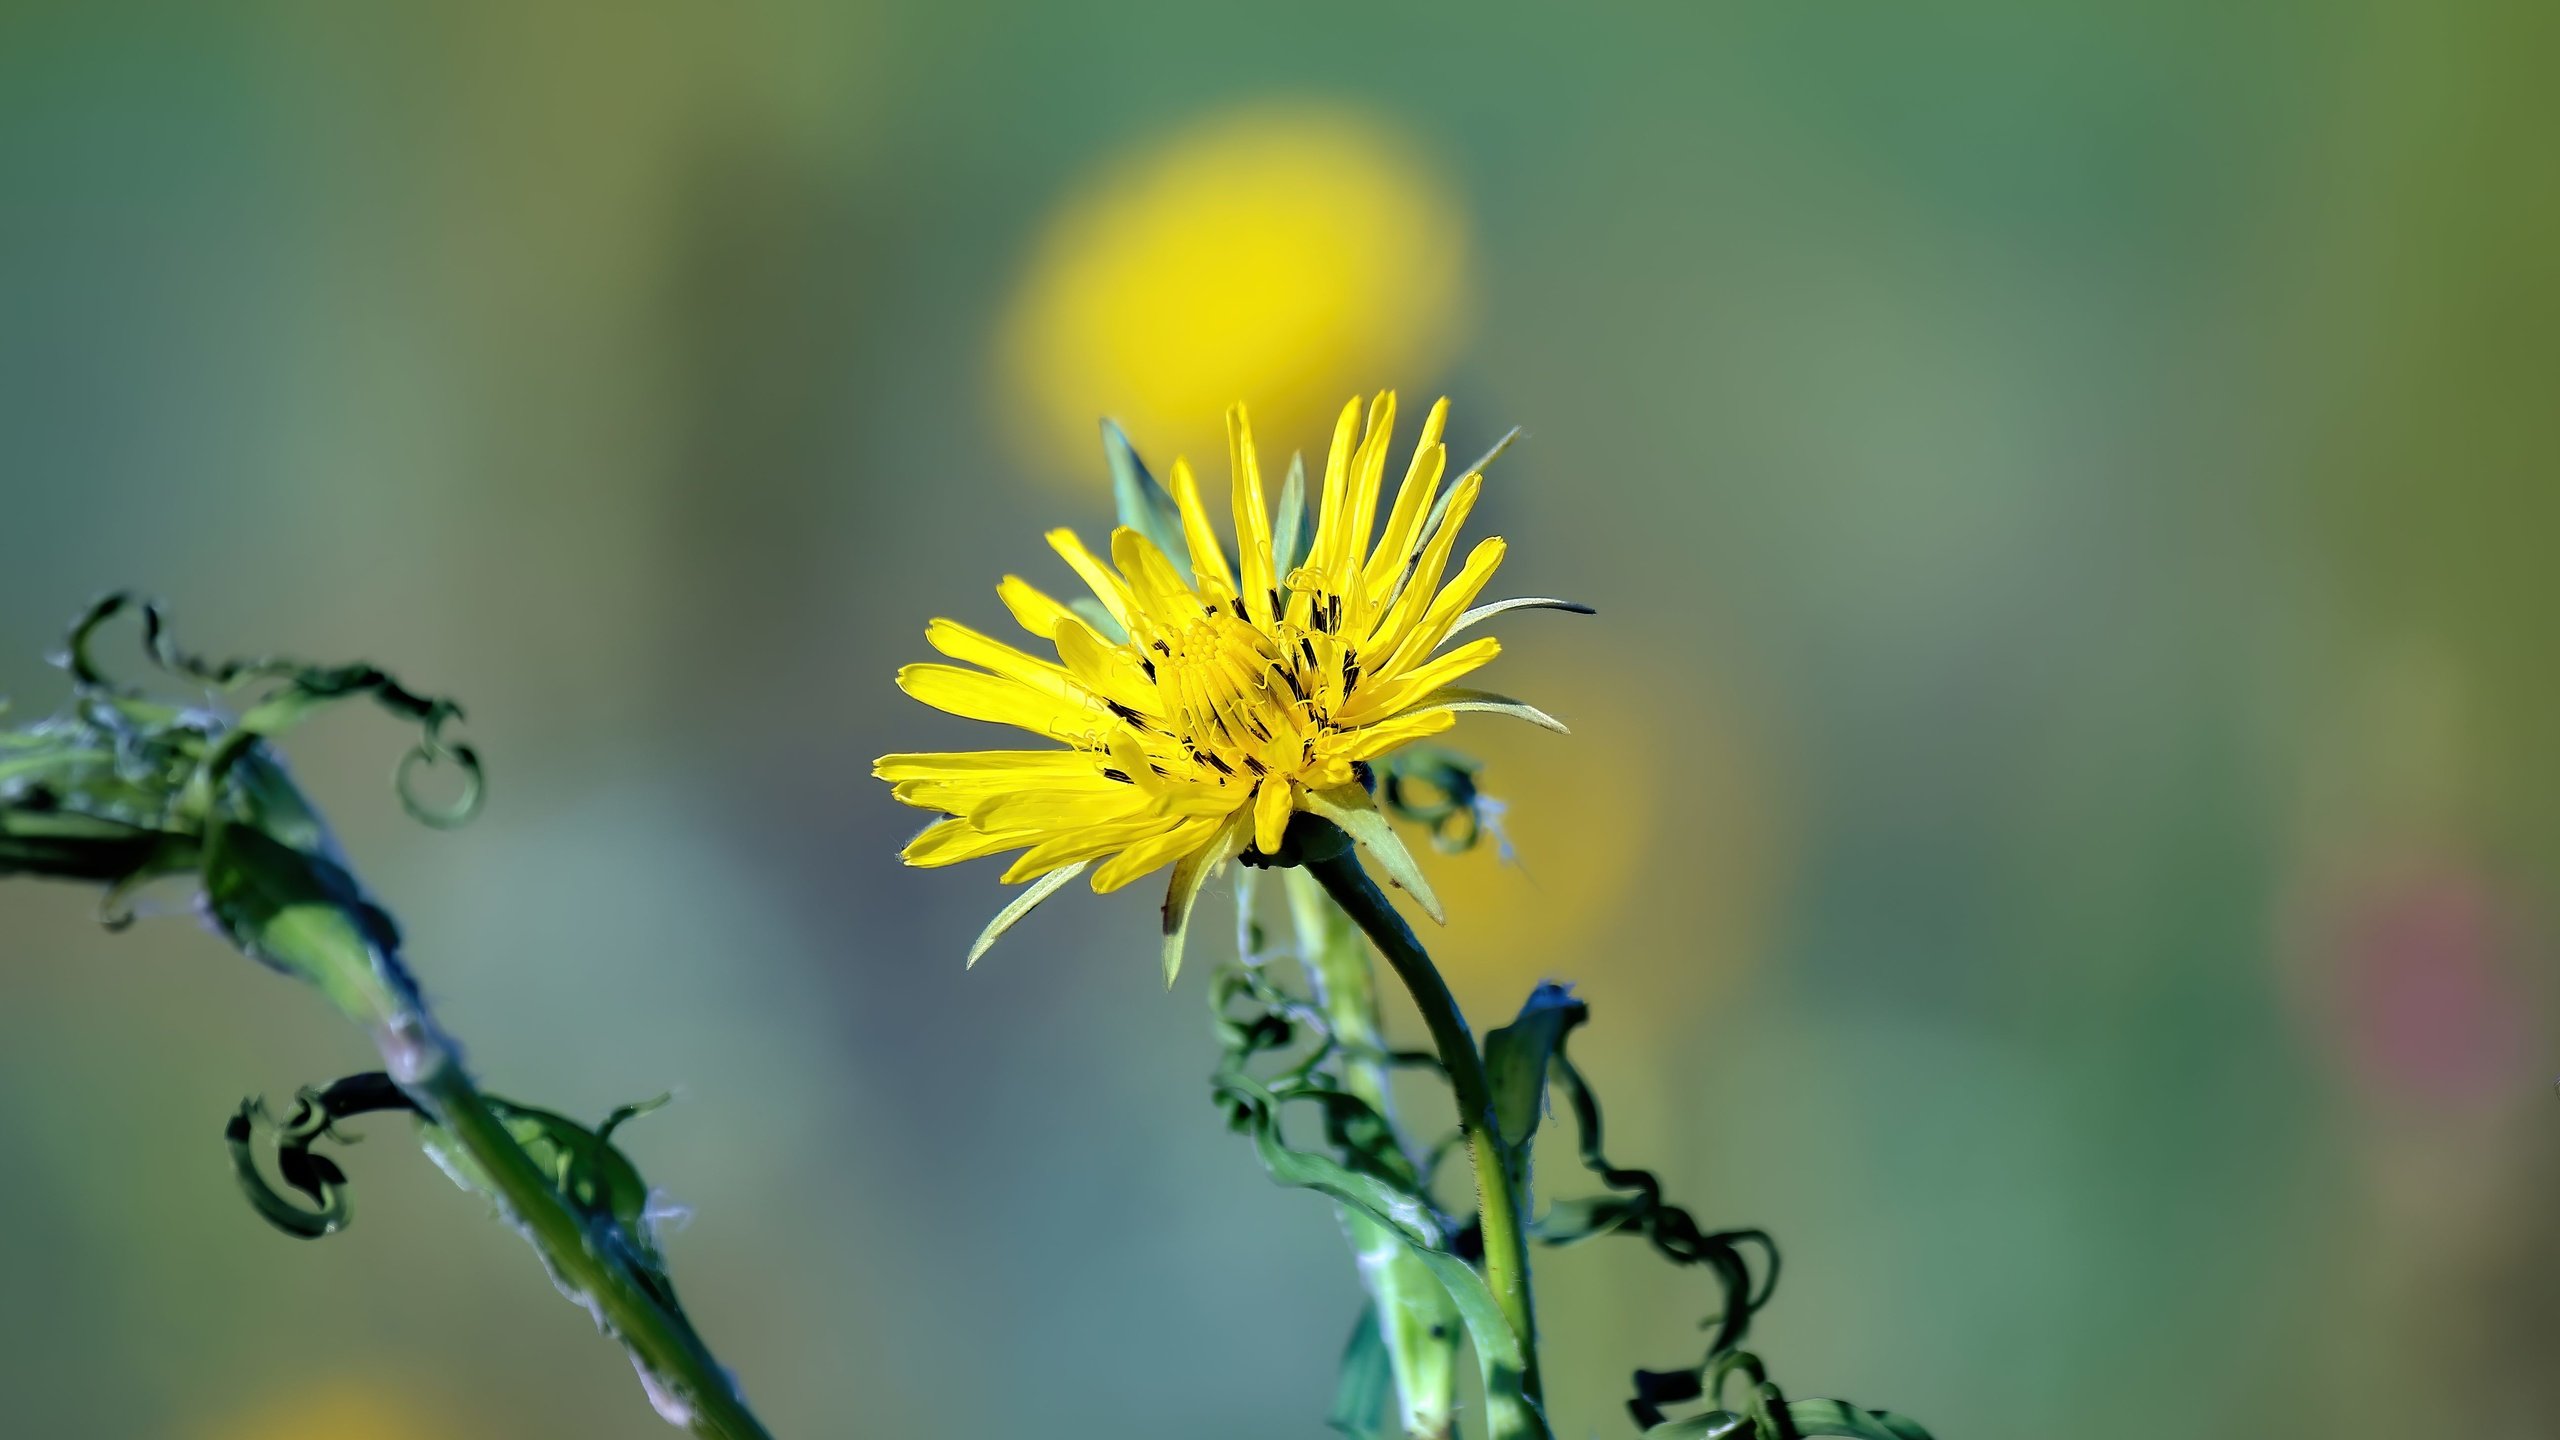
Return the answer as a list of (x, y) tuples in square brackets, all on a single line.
[(1261, 250), (347, 1408), (1201, 710)]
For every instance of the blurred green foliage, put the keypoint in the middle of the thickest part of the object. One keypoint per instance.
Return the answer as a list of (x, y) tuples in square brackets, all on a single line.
[(2066, 728)]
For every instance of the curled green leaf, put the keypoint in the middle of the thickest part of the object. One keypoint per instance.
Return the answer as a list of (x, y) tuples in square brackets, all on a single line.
[(1372, 1178), (1516, 1057), (1838, 1417), (314, 1176), (1436, 788), (598, 1182)]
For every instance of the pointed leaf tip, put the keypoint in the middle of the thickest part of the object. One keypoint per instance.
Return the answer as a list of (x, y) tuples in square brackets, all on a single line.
[(1482, 613), (1143, 504), (1457, 699), (1023, 904), (1293, 532), (1350, 807)]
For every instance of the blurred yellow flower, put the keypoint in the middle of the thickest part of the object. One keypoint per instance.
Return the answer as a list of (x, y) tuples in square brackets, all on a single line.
[(1266, 252), (1202, 706), (335, 1409), (1650, 851)]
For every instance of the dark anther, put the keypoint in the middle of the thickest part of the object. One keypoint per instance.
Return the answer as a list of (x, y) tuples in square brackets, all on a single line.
[(1111, 774), (1123, 711)]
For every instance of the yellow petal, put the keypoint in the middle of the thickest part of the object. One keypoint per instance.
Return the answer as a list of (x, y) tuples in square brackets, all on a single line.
[(1368, 472), (1108, 802), (1440, 620), (948, 842), (1333, 509), (1369, 705), (1271, 807), (1097, 576), (976, 695), (1034, 609), (1403, 535), (1415, 591), (960, 795), (1155, 853), (1253, 518), (1163, 594), (958, 764), (968, 646), (1208, 556), (1368, 742), (1089, 843), (1109, 671)]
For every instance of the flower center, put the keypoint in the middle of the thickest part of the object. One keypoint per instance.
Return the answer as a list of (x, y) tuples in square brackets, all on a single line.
[(1236, 702)]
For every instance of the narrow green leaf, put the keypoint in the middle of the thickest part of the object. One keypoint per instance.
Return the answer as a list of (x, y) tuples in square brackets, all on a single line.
[(1023, 904), (1440, 507), (1459, 699), (1294, 532), (1104, 623), (1182, 892), (1402, 1215), (1365, 1387), (1482, 613), (1350, 807), (1483, 463), (1144, 504)]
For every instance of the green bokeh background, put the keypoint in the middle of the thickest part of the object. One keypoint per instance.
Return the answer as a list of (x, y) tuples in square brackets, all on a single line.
[(2070, 495)]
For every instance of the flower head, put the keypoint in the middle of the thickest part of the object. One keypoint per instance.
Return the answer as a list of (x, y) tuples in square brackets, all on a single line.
[(1201, 703)]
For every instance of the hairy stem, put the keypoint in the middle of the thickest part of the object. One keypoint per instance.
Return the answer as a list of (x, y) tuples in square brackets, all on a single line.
[(1414, 1314), (1506, 1254), (684, 1381)]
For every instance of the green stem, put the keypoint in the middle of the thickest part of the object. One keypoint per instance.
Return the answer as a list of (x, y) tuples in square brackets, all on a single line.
[(1506, 1252), (1415, 1316), (684, 1380)]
